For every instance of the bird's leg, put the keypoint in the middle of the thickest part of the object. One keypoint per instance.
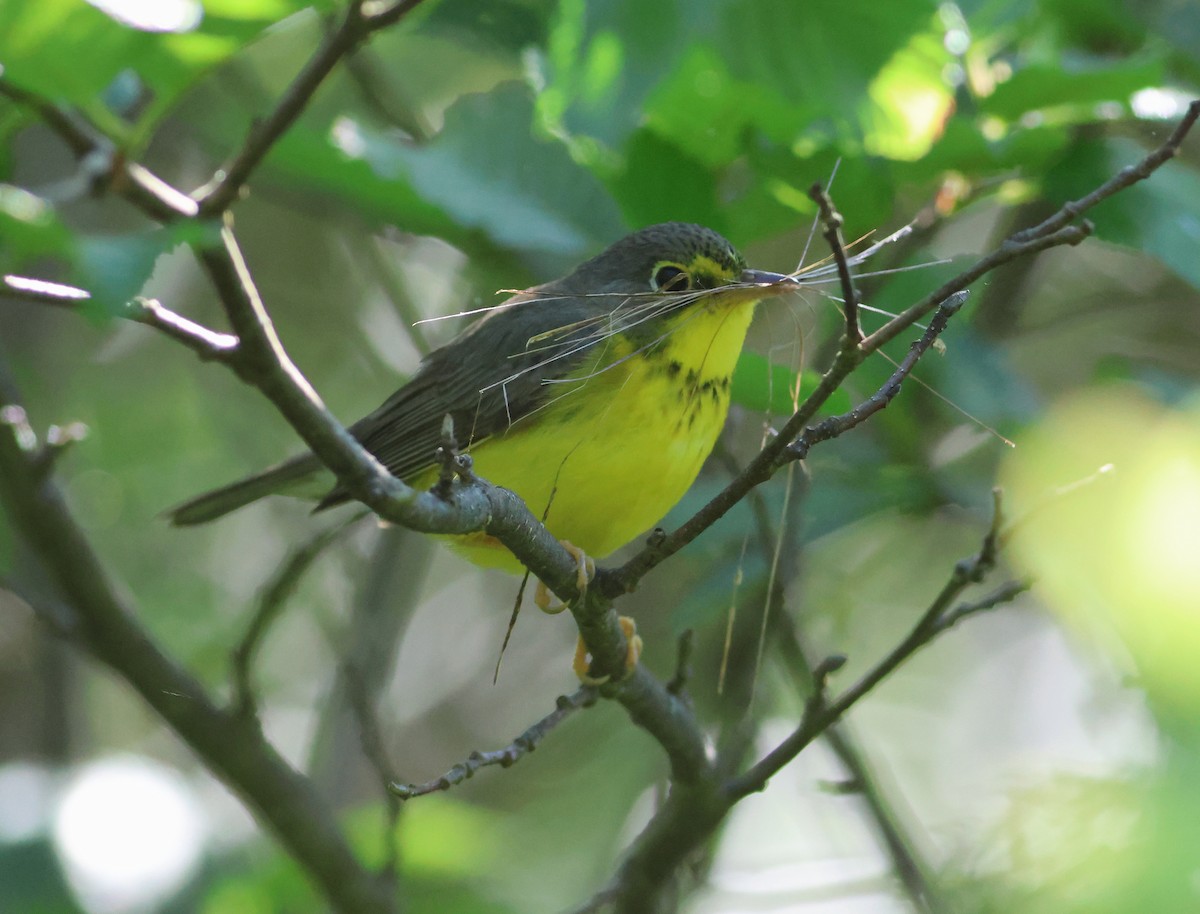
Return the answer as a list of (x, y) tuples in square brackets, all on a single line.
[(585, 571), (633, 651)]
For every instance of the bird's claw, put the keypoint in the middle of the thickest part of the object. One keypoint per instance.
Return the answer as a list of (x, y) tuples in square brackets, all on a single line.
[(633, 651), (585, 571)]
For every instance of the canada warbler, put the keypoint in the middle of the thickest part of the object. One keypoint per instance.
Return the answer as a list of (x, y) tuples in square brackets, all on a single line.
[(595, 397)]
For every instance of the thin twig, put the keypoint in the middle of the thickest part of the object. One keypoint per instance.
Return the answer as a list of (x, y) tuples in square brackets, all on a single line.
[(582, 697), (900, 847), (105, 165), (683, 662), (1126, 177), (233, 747), (817, 717), (371, 740), (847, 359), (270, 604), (837, 425), (1054, 232), (208, 344), (831, 228), (220, 193)]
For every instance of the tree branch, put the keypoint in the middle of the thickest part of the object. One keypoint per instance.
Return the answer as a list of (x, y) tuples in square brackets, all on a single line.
[(698, 801), (566, 705), (356, 25), (230, 745), (837, 425), (1056, 231), (831, 228), (912, 871), (939, 617), (208, 344), (103, 164), (271, 602)]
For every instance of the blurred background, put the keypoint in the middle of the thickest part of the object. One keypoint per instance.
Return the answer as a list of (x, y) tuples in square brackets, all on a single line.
[(1041, 757)]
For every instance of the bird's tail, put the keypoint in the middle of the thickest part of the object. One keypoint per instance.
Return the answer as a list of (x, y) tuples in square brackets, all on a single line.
[(283, 478)]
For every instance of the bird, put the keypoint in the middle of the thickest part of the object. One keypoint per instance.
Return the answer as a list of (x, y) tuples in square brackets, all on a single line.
[(595, 397)]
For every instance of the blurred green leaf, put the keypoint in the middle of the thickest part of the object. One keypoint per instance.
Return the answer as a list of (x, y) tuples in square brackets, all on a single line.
[(29, 228), (70, 52), (439, 835), (274, 885), (354, 185), (115, 267), (32, 879), (488, 172), (863, 189), (815, 54), (603, 59), (661, 183), (1102, 26), (1041, 87)]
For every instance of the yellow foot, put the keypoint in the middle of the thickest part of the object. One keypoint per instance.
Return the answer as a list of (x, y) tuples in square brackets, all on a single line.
[(586, 570), (632, 652)]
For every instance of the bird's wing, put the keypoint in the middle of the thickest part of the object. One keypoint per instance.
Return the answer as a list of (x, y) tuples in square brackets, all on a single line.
[(485, 388)]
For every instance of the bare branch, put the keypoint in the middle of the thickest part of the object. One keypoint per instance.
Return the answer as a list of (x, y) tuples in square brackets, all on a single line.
[(831, 228), (837, 425), (683, 662), (1054, 232), (208, 344), (231, 746), (1126, 177), (105, 165), (271, 603), (912, 871), (356, 25), (371, 740), (583, 697), (937, 618)]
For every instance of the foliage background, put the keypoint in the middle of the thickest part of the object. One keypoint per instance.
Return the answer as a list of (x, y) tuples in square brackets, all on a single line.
[(1041, 758)]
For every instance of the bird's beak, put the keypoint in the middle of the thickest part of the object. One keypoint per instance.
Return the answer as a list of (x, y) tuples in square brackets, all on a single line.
[(763, 278)]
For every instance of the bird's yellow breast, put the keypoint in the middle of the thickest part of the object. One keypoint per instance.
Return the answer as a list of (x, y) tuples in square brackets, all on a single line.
[(621, 441)]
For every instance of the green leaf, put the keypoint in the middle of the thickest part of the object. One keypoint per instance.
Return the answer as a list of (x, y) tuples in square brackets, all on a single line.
[(817, 54), (777, 199), (29, 228), (487, 171), (602, 60), (342, 171), (70, 52), (440, 836), (114, 268), (660, 183), (701, 108), (1042, 87)]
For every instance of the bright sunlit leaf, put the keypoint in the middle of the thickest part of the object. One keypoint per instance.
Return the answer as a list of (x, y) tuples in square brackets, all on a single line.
[(1117, 555)]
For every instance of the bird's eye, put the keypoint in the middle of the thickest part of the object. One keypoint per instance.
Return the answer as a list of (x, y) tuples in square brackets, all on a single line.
[(670, 278)]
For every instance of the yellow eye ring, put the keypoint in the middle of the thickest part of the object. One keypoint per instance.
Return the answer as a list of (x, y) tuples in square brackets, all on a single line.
[(670, 277)]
